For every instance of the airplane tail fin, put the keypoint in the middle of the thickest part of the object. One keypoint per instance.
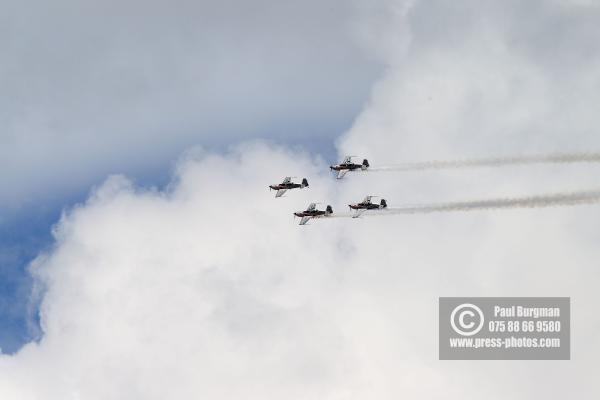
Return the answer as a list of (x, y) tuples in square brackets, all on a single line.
[(304, 182), (365, 164), (329, 210), (383, 203)]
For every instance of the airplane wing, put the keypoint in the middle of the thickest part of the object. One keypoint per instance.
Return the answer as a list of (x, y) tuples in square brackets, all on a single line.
[(311, 207), (341, 173), (358, 213), (280, 192), (304, 220), (287, 179)]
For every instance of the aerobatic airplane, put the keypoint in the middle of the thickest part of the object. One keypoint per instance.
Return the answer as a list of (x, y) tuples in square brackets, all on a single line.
[(348, 165), (366, 205), (286, 185), (312, 212)]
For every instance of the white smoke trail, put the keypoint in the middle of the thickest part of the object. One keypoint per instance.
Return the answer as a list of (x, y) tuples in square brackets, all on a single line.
[(547, 200), (566, 158)]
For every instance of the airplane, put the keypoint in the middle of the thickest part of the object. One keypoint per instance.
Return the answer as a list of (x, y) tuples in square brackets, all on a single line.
[(348, 165), (366, 205), (312, 212), (286, 185)]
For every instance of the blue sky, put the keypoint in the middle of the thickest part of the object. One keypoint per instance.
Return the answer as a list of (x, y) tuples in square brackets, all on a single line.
[(25, 232), (209, 288), (81, 101)]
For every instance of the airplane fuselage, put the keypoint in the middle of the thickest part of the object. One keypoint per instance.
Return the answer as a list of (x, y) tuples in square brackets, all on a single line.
[(348, 167), (364, 206), (285, 186), (315, 213)]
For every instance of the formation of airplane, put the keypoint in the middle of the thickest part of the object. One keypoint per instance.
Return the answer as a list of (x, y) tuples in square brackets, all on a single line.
[(312, 212), (348, 165), (286, 185), (366, 205)]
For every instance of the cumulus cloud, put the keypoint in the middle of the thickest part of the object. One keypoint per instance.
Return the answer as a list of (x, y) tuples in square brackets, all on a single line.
[(202, 289), (485, 77), (91, 88), (201, 292), (209, 288)]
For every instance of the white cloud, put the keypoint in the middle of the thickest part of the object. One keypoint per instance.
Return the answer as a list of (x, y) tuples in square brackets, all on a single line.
[(92, 88), (485, 78), (200, 292), (210, 289)]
